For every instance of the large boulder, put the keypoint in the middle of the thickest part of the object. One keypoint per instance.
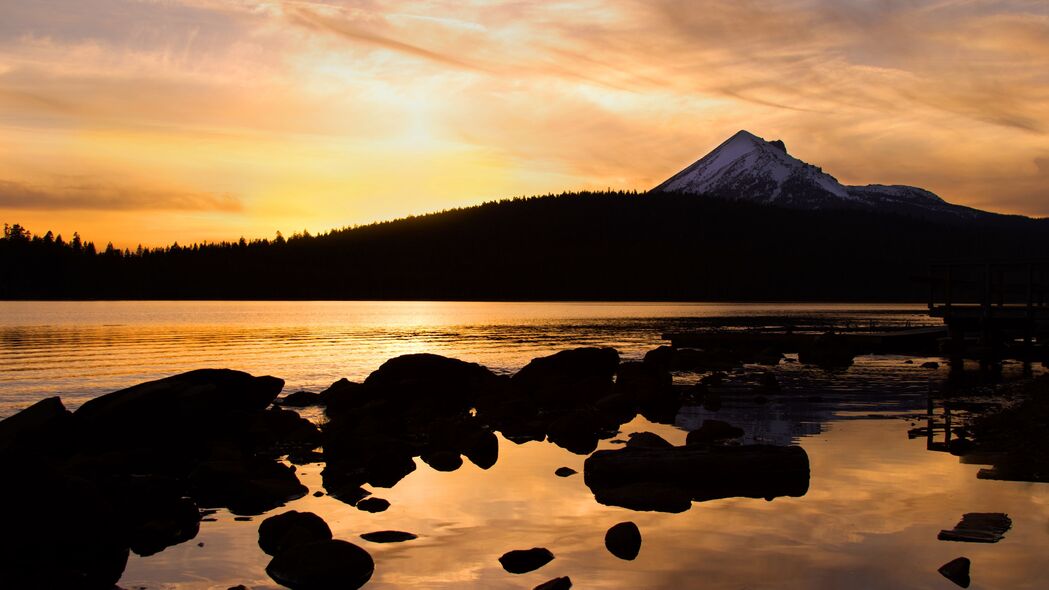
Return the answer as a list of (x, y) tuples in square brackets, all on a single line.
[(569, 377), (186, 406), (59, 532), (322, 565), (40, 427), (431, 377), (705, 473)]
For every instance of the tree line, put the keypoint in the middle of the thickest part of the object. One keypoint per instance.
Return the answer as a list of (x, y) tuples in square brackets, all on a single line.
[(585, 245)]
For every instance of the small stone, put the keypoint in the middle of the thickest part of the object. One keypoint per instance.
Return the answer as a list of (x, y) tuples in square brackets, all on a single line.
[(957, 571), (623, 540), (388, 536), (373, 505), (931, 365), (521, 561), (565, 472), (562, 583)]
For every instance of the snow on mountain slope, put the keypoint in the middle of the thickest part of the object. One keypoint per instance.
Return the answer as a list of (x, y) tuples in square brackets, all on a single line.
[(746, 167)]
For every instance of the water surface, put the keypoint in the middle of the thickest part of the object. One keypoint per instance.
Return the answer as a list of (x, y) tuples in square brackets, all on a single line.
[(876, 498)]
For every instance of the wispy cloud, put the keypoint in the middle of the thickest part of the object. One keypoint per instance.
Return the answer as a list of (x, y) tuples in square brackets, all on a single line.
[(98, 197), (312, 110)]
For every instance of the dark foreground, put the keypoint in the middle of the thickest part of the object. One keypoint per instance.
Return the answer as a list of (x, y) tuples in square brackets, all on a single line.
[(137, 470)]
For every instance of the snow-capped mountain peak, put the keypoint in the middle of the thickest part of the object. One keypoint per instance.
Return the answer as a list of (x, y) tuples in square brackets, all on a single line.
[(748, 168)]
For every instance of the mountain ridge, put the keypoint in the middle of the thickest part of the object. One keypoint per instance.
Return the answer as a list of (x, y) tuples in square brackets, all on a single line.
[(746, 167)]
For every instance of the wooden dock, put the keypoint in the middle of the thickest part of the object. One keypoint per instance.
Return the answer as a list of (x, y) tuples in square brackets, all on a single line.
[(992, 310), (978, 311)]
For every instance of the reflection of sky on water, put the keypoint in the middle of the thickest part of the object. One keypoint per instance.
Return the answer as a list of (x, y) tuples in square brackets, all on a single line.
[(875, 503)]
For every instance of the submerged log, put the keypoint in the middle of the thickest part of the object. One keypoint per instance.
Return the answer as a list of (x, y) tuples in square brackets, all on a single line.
[(703, 473), (978, 527)]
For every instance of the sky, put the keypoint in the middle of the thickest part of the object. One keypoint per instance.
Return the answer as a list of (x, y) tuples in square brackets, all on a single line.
[(153, 121)]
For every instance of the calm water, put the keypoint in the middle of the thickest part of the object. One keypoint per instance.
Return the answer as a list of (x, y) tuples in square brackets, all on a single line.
[(875, 503)]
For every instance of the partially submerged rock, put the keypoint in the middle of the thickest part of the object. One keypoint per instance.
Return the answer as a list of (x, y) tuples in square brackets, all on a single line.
[(700, 472), (373, 505), (286, 530), (301, 399), (624, 541), (322, 565), (564, 472), (388, 536), (562, 583), (957, 571), (647, 440), (521, 561)]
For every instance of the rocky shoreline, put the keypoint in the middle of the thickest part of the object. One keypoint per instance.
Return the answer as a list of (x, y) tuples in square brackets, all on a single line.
[(137, 469)]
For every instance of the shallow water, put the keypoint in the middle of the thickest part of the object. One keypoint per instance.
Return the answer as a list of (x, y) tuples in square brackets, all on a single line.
[(875, 503)]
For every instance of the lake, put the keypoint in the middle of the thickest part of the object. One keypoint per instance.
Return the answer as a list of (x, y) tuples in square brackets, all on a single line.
[(869, 519)]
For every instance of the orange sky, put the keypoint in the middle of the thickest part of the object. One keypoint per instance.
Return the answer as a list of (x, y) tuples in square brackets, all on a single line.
[(149, 121)]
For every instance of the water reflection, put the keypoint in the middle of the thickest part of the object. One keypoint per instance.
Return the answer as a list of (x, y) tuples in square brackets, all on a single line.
[(874, 507), (83, 349)]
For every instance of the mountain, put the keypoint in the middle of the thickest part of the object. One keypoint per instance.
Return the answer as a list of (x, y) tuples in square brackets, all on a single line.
[(746, 167)]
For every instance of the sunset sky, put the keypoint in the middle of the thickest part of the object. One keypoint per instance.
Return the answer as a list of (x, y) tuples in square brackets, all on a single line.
[(150, 121)]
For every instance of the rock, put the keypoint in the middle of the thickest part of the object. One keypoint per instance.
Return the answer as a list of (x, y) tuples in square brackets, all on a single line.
[(373, 505), (431, 377), (156, 522), (576, 431), (322, 565), (661, 358), (341, 396), (704, 472), (301, 399), (350, 494), (828, 352), (768, 382), (908, 362), (239, 587), (192, 404), (39, 427), (645, 497), (562, 583), (482, 449), (565, 471), (643, 382), (712, 431), (713, 379), (647, 440), (570, 377), (283, 531), (246, 486), (957, 571), (59, 531), (624, 541), (522, 561), (930, 365), (443, 460), (978, 527), (388, 537)]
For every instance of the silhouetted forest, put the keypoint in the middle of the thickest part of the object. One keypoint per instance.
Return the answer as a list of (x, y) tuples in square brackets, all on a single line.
[(614, 245)]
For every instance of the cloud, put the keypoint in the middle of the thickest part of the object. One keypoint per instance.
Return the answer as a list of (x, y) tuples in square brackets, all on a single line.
[(96, 197)]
